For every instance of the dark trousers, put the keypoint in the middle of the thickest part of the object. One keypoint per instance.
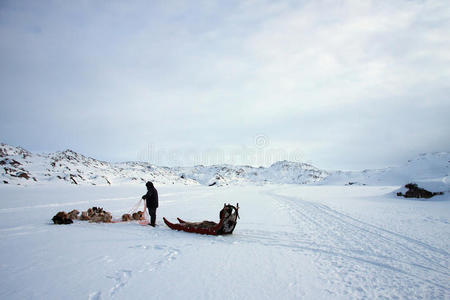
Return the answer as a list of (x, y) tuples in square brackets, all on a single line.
[(152, 213)]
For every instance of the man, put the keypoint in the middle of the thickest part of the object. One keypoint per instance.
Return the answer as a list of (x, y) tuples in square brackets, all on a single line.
[(151, 202)]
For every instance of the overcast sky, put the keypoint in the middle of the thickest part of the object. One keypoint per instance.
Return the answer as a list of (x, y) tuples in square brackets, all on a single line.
[(341, 84)]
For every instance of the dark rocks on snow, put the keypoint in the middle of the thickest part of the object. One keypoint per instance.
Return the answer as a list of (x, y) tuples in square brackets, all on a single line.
[(354, 183), (416, 192), (23, 175), (15, 163), (11, 162), (73, 179)]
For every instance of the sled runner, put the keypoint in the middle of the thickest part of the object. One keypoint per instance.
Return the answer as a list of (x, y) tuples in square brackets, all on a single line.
[(228, 219)]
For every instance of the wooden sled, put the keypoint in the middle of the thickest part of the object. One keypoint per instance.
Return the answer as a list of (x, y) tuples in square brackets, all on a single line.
[(228, 219)]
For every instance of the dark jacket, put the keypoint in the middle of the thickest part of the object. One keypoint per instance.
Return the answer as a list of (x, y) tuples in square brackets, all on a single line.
[(151, 198)]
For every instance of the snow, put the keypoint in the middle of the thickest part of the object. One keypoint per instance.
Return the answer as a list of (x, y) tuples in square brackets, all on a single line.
[(292, 242), (74, 168), (304, 232), (429, 170), (19, 166)]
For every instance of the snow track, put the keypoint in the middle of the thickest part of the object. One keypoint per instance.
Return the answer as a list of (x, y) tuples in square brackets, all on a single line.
[(335, 237), (292, 242)]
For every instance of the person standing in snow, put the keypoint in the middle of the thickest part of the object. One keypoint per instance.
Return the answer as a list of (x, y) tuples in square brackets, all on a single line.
[(151, 202)]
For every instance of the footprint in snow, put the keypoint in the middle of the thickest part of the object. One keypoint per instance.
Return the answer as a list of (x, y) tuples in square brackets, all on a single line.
[(167, 256), (149, 247), (139, 247), (95, 296), (121, 278)]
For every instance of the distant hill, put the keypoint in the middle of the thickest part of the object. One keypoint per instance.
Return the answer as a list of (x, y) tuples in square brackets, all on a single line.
[(429, 170), (19, 166)]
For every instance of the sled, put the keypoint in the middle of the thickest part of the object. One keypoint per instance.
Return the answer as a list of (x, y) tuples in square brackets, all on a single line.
[(228, 219)]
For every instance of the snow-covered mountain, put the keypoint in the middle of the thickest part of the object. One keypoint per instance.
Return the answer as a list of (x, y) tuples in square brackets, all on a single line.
[(279, 172), (19, 166), (430, 170)]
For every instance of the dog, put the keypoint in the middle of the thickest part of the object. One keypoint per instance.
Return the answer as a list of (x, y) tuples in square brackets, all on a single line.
[(73, 215), (62, 218), (85, 216), (94, 210), (139, 215), (126, 217)]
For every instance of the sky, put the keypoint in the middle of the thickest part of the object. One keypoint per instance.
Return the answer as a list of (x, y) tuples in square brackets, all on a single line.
[(339, 84)]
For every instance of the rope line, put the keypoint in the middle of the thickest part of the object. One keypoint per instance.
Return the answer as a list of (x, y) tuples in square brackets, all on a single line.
[(135, 207)]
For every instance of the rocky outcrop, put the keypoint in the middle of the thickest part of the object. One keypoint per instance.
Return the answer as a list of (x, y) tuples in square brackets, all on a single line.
[(416, 192)]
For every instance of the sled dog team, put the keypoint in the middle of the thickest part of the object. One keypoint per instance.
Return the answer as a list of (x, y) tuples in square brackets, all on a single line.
[(228, 216)]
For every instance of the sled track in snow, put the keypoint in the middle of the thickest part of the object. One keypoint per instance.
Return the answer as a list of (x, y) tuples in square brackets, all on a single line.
[(331, 237)]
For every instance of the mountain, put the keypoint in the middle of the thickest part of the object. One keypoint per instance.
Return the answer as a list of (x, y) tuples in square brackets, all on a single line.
[(19, 166), (279, 172)]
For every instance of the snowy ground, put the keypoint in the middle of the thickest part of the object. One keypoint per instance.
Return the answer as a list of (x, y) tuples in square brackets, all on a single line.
[(307, 242)]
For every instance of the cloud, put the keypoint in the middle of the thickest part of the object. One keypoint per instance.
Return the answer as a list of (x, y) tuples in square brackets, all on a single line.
[(350, 83)]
